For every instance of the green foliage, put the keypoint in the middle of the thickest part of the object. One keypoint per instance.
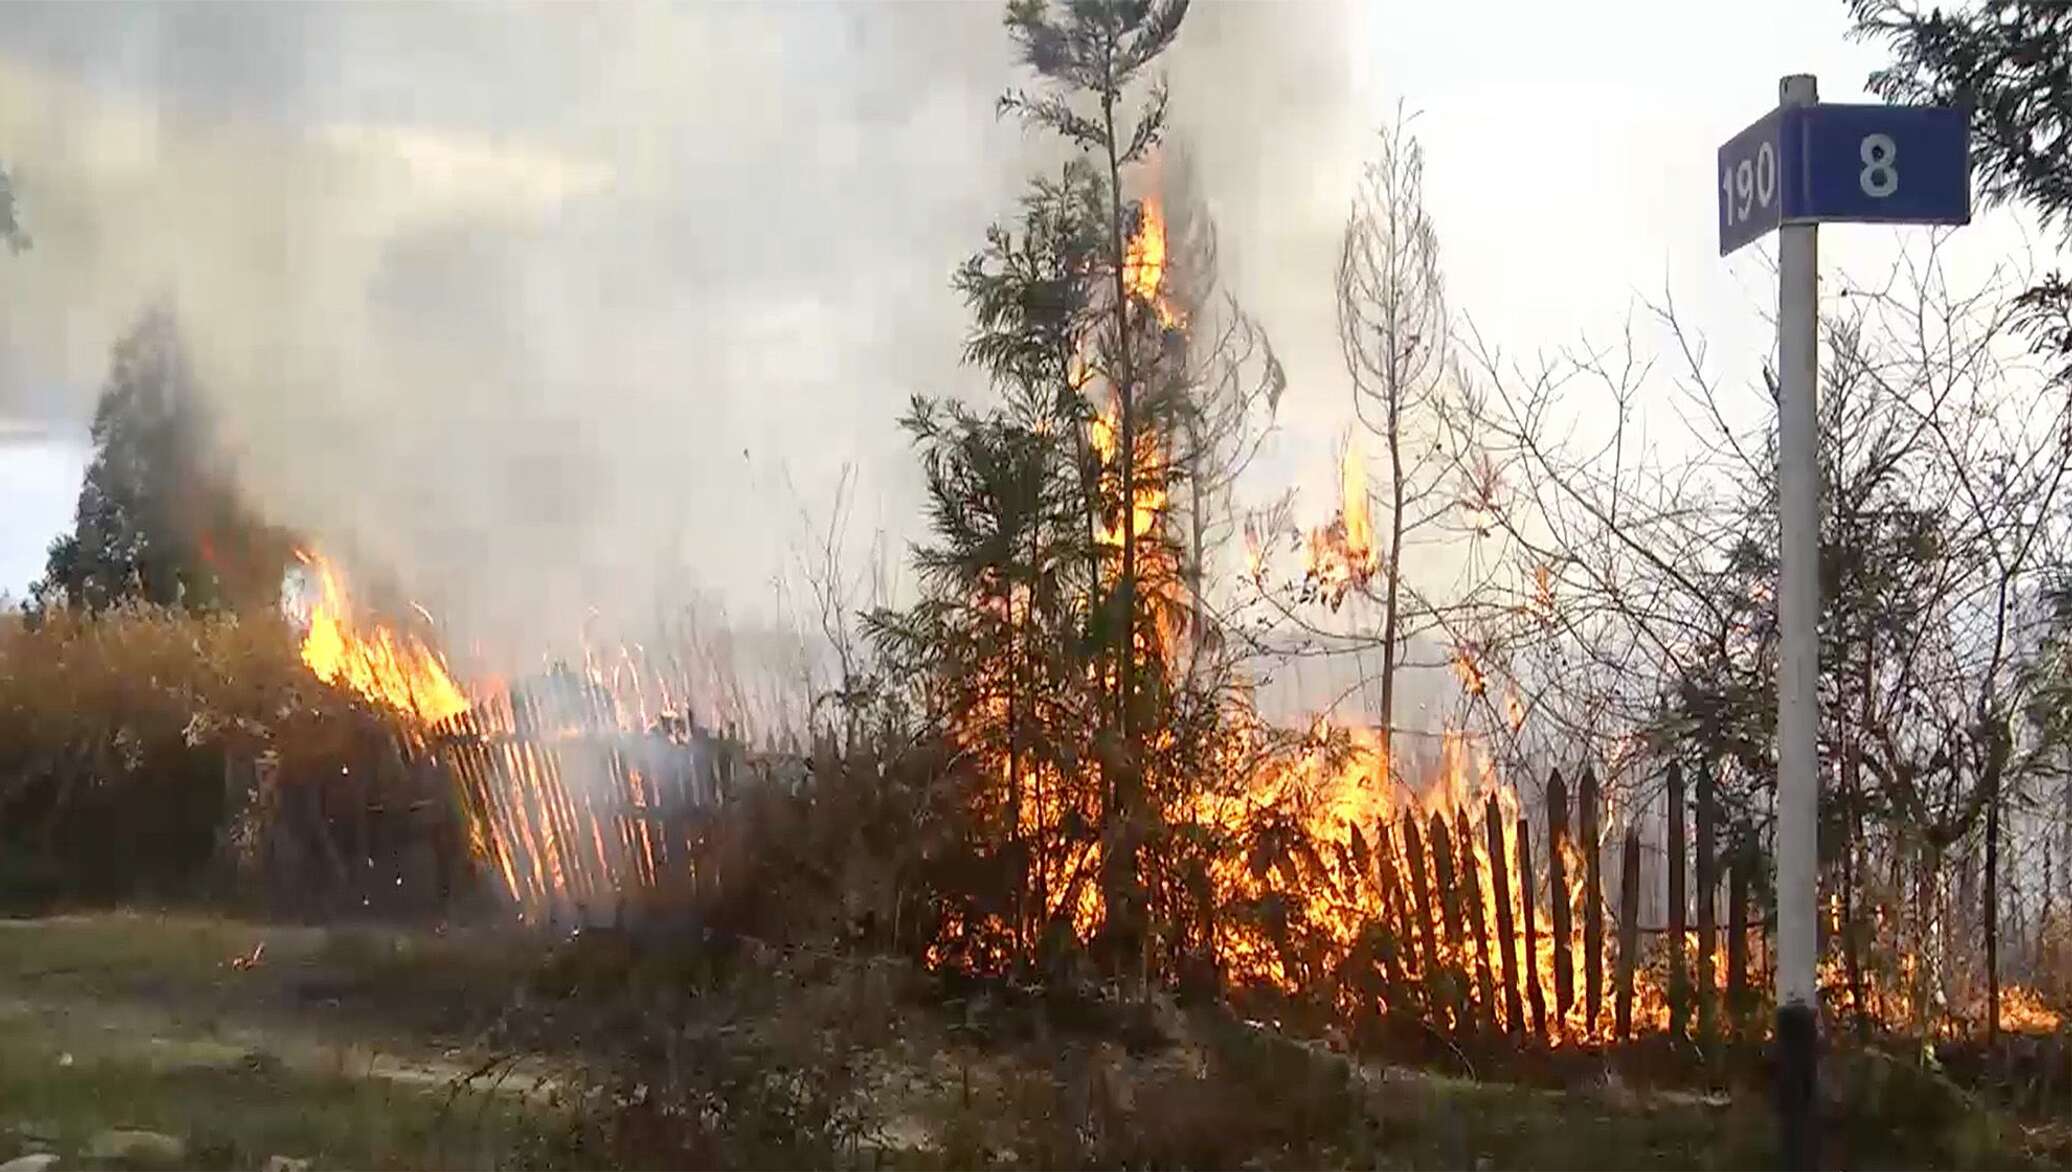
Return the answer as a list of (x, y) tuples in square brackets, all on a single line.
[(158, 519), (2011, 62), (1023, 654), (1099, 47)]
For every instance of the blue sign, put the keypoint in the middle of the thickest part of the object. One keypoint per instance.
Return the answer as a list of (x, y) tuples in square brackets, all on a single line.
[(1751, 197), (1879, 164), (1841, 163)]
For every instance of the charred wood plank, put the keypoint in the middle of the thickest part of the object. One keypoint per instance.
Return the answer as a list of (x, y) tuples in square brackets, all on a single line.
[(1395, 919), (1478, 928), (1533, 992), (1506, 929), (1593, 900), (1629, 932), (1739, 882), (1454, 973), (1707, 888), (1557, 894), (1421, 895), (1679, 988)]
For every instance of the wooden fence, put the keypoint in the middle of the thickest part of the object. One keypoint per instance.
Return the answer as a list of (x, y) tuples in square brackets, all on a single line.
[(1464, 904), (580, 820)]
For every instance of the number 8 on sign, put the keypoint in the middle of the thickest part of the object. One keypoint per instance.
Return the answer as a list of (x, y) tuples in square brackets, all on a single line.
[(1880, 175)]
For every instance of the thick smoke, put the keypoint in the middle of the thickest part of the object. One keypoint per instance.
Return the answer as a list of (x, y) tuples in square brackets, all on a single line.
[(560, 312)]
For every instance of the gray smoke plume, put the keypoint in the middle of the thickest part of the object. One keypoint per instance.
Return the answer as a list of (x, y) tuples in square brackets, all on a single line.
[(563, 314)]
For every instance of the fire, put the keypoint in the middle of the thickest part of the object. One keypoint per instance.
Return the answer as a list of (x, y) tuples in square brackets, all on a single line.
[(1341, 557), (1144, 264), (388, 667), (1316, 845), (1473, 680), (2022, 1012)]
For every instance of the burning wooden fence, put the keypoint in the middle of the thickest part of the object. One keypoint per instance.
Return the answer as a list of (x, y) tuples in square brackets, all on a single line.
[(1482, 942), (581, 819), (1481, 946)]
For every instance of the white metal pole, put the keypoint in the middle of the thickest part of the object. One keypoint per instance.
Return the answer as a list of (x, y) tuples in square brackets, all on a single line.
[(1798, 614)]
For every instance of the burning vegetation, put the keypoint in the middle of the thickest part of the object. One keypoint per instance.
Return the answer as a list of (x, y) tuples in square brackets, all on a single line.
[(1103, 793), (1059, 762)]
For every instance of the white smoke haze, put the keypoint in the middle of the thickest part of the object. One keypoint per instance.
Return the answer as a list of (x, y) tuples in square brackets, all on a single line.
[(561, 315)]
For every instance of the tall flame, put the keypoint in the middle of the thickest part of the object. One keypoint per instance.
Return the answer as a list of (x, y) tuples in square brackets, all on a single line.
[(1341, 556), (388, 667), (1144, 263)]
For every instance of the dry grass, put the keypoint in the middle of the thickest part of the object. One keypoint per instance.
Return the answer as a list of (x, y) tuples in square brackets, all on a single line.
[(345, 1044)]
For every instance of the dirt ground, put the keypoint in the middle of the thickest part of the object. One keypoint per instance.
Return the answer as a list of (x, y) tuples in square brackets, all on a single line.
[(352, 1047)]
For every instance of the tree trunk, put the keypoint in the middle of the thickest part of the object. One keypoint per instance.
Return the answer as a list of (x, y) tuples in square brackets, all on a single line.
[(1123, 895), (1197, 526), (1390, 624)]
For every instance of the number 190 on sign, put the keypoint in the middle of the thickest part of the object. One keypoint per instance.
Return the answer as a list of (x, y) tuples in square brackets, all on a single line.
[(1751, 191), (1752, 185)]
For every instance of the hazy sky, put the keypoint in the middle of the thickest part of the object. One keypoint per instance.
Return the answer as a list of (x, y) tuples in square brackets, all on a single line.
[(549, 307)]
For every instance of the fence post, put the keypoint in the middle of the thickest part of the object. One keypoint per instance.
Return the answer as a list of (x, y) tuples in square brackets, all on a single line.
[(1738, 884), (1708, 887), (1478, 925), (1593, 900), (1532, 931), (1679, 1002), (1456, 975), (1557, 894), (1392, 906), (1421, 892), (1507, 940), (1629, 932)]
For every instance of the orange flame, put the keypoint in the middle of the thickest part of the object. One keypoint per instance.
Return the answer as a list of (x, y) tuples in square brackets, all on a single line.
[(1341, 556), (2022, 1012), (1144, 263), (390, 668)]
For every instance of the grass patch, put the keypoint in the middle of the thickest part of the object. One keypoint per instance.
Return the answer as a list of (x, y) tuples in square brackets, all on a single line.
[(343, 1043), (235, 1115)]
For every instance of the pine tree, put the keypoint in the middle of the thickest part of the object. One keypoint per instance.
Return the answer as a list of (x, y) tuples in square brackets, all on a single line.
[(1091, 55), (997, 646), (2010, 61), (1051, 592), (157, 519)]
